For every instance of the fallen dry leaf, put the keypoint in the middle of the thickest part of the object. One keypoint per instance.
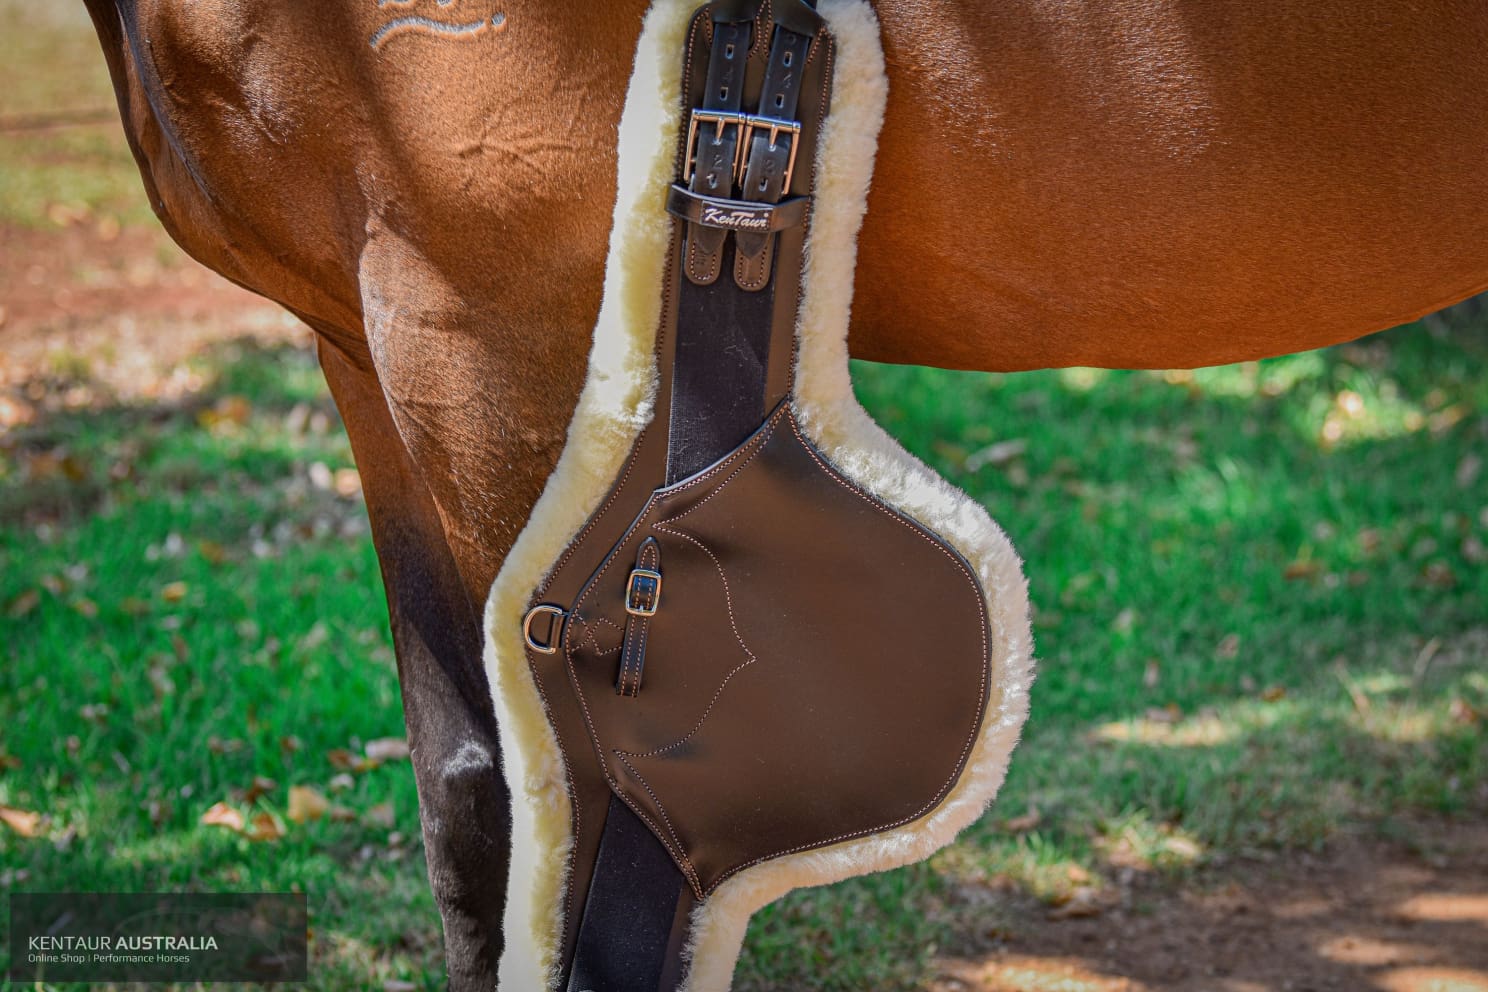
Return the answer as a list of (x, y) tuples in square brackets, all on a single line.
[(1272, 694), (381, 815), (348, 482), (342, 781), (228, 412), (1439, 575), (1183, 847), (306, 804), (1084, 902), (261, 785), (320, 475), (1298, 570), (1461, 711), (387, 749), (341, 759), (264, 828), (1026, 822), (23, 604), (23, 822), (342, 814), (1170, 713), (173, 592), (223, 815), (398, 985), (996, 454)]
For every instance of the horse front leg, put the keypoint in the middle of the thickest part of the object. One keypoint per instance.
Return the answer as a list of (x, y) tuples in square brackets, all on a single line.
[(464, 803)]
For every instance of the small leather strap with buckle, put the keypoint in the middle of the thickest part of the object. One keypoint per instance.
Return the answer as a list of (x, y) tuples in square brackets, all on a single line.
[(642, 597)]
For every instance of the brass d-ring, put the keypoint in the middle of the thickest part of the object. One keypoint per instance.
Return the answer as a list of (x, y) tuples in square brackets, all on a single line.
[(555, 628)]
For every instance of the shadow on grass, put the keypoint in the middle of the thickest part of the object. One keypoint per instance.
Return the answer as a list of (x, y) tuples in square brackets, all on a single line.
[(1124, 821), (245, 408)]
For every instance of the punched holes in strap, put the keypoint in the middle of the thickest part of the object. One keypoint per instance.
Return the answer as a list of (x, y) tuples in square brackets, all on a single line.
[(770, 152), (642, 598), (714, 141)]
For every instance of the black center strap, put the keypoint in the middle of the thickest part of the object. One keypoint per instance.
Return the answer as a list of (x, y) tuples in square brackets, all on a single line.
[(736, 172)]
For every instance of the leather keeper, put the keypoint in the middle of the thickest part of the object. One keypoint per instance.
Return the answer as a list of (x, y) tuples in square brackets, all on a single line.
[(736, 215)]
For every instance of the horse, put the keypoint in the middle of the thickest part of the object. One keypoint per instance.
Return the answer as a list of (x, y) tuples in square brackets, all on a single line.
[(428, 186)]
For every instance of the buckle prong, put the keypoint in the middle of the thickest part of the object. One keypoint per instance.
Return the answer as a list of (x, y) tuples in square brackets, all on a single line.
[(748, 124)]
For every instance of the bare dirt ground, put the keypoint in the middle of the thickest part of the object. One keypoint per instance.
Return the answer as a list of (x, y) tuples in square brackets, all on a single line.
[(119, 308), (1362, 916), (1401, 917)]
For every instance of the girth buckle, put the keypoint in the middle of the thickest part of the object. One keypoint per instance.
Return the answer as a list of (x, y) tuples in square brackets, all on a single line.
[(748, 124), (720, 119), (774, 125), (643, 592)]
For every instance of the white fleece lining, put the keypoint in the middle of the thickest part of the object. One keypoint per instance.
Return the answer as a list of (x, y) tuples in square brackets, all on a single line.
[(617, 403)]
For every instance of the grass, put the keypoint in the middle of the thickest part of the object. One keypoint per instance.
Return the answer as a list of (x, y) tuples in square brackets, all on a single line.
[(185, 612), (1251, 639), (56, 176)]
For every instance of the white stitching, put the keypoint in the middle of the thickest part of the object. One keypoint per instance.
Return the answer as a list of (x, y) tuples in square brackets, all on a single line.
[(679, 851), (729, 603)]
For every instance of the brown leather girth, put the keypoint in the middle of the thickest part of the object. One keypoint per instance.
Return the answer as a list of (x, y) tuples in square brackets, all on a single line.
[(749, 655)]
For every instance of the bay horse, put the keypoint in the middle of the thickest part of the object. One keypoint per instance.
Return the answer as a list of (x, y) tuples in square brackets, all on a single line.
[(1154, 184)]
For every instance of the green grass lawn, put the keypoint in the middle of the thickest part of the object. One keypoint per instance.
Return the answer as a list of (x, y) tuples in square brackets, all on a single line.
[(1260, 617)]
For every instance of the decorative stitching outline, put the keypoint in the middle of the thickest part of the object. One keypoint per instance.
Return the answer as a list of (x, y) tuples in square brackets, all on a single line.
[(936, 542), (728, 600)]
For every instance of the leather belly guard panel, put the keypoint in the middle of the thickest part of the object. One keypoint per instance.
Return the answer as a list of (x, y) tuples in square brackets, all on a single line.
[(785, 702), (743, 649)]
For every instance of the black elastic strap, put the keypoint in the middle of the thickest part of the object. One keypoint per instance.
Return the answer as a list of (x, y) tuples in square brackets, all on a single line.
[(720, 365), (627, 926)]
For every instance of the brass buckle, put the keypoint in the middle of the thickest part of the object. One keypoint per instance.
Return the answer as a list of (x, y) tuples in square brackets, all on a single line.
[(643, 592), (748, 124)]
